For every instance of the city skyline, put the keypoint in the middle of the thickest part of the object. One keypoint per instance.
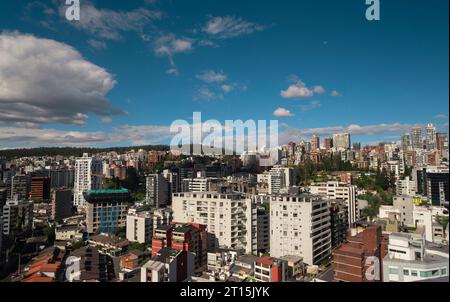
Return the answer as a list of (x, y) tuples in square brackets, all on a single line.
[(123, 73)]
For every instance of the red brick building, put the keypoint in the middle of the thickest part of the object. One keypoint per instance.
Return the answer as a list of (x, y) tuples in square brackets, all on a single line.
[(183, 237), (353, 259)]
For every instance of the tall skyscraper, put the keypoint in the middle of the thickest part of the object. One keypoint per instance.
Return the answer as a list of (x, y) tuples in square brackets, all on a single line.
[(88, 176), (416, 137), (315, 143), (341, 141), (406, 141), (431, 137), (328, 143), (442, 144), (157, 190)]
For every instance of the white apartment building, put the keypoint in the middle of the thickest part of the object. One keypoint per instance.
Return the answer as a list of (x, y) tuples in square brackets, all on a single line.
[(410, 258), (300, 225), (139, 226), (228, 216), (406, 187), (425, 216), (88, 176), (339, 191), (277, 179)]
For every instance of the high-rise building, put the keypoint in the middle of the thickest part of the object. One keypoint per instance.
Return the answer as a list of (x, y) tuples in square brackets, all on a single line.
[(139, 226), (339, 222), (106, 210), (431, 137), (416, 137), (17, 217), (157, 190), (328, 143), (442, 144), (62, 203), (40, 188), (433, 183), (88, 176), (20, 187), (315, 143), (406, 141), (229, 217), (262, 231), (341, 141), (300, 226), (62, 178), (335, 190)]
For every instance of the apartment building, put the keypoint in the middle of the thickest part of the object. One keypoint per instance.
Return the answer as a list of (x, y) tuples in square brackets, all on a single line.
[(106, 210), (339, 191), (88, 176), (17, 217), (227, 216), (300, 226), (363, 250)]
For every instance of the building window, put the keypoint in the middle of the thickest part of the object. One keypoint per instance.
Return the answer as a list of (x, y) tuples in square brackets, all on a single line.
[(443, 271), (406, 272), (414, 273), (393, 271)]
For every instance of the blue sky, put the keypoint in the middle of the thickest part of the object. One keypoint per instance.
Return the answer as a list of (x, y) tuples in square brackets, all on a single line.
[(320, 63)]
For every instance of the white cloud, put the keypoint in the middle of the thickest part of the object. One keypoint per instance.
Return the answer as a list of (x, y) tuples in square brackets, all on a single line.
[(106, 120), (292, 133), (441, 116), (319, 89), (110, 24), (207, 94), (96, 44), (312, 105), (226, 88), (168, 46), (45, 81), (281, 112), (210, 76), (335, 93), (229, 27), (297, 91)]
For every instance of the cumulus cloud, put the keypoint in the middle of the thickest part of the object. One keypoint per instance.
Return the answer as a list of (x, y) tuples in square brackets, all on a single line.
[(224, 27), (319, 89), (297, 91), (109, 24), (45, 81), (210, 76), (281, 112), (208, 94), (226, 88), (335, 93)]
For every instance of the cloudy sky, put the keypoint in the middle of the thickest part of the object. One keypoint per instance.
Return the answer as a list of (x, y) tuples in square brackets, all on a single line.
[(123, 73)]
